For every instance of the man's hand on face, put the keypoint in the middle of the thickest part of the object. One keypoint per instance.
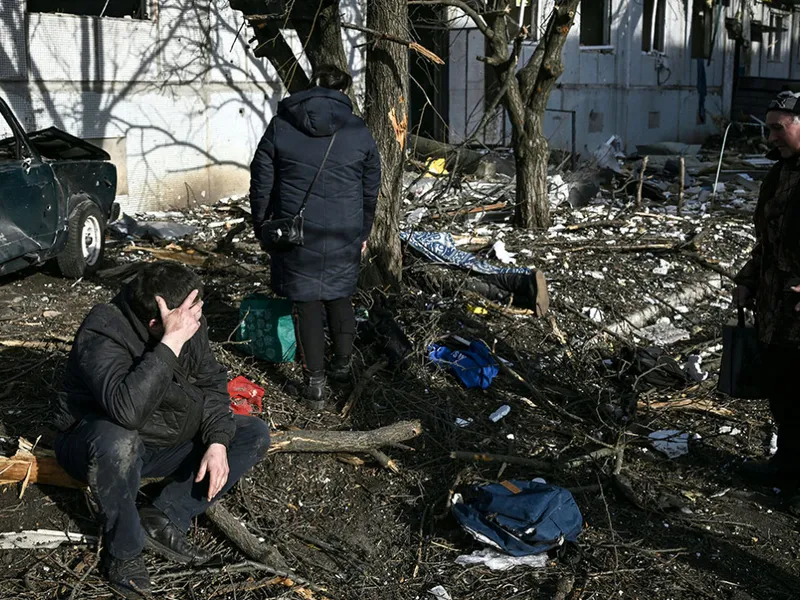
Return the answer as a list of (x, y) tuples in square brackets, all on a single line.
[(215, 464), (180, 323)]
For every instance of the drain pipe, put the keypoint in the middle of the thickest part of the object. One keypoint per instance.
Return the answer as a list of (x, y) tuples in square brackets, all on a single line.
[(719, 166)]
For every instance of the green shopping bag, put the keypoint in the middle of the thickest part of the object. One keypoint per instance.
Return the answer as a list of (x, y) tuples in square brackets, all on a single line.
[(267, 328)]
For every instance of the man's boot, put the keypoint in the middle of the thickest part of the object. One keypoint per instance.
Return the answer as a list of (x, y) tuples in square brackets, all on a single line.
[(339, 369), (128, 577), (164, 538), (314, 390)]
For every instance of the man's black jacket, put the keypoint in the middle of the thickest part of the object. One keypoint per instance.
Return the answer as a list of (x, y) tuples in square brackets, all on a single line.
[(117, 369)]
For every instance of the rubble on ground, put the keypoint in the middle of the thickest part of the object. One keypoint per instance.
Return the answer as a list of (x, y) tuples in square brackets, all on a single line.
[(613, 392)]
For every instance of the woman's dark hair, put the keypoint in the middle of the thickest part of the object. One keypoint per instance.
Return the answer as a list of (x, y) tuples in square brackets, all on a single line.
[(329, 76), (172, 281)]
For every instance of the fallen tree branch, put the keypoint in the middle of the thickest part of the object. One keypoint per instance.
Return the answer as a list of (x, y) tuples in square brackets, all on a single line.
[(243, 539), (541, 465), (359, 389), (384, 461), (344, 441)]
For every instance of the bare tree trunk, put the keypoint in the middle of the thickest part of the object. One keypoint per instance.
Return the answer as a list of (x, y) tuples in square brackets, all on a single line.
[(386, 117), (531, 155)]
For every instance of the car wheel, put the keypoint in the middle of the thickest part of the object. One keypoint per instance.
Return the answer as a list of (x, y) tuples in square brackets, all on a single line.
[(86, 242)]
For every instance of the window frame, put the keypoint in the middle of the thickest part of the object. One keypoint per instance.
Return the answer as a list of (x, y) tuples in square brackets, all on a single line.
[(606, 42), (657, 28), (533, 18), (778, 34), (150, 6)]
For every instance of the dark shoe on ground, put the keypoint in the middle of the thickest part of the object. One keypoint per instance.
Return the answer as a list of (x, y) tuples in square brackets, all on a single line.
[(314, 391), (339, 369), (129, 577), (772, 472), (164, 538)]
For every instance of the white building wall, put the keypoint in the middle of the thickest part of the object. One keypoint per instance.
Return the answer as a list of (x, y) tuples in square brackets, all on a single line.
[(180, 95), (614, 90)]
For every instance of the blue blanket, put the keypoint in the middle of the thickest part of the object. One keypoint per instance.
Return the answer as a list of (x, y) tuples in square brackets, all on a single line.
[(440, 247)]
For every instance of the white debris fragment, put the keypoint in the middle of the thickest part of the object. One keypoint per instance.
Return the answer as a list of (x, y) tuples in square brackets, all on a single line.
[(42, 538), (503, 255), (728, 430), (557, 190), (463, 422), (663, 333), (415, 216), (693, 368), (662, 268), (593, 313), (501, 562), (595, 274), (439, 592), (500, 413), (773, 444)]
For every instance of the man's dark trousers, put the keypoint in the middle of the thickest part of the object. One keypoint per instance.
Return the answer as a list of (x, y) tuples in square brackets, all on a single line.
[(113, 460)]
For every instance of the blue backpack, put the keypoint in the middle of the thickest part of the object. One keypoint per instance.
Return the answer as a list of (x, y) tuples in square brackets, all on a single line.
[(520, 517)]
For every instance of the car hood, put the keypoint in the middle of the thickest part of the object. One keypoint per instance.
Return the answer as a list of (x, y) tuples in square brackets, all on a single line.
[(55, 144)]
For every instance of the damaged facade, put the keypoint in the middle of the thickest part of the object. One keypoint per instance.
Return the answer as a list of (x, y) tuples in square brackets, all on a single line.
[(168, 87), (645, 70)]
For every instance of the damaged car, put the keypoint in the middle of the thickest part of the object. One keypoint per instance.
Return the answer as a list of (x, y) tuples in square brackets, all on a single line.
[(57, 195)]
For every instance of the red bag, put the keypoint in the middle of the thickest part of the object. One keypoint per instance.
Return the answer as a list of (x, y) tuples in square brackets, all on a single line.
[(245, 396)]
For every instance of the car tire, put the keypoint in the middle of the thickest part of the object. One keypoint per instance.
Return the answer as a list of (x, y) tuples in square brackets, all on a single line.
[(86, 242)]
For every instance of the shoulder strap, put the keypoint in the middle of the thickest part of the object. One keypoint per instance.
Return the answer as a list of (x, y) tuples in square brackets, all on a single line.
[(313, 181)]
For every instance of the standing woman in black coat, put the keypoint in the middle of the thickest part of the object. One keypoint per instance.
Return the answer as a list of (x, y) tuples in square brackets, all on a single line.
[(321, 275)]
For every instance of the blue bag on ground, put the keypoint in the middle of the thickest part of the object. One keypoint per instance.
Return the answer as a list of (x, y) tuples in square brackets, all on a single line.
[(519, 517), (267, 328), (474, 367)]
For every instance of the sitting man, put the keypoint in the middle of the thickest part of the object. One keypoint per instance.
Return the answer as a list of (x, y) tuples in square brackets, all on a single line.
[(145, 397)]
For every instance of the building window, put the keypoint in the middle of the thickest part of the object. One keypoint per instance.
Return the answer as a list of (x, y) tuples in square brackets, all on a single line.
[(702, 28), (775, 39), (595, 23), (522, 13), (134, 9), (654, 25)]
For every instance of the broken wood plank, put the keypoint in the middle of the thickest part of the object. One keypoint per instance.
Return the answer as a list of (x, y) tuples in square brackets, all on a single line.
[(690, 404)]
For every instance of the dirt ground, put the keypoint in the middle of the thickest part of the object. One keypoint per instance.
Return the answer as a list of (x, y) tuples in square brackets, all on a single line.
[(683, 528)]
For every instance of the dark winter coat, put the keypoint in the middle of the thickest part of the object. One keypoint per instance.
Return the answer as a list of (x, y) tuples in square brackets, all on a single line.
[(775, 261), (341, 207), (118, 370)]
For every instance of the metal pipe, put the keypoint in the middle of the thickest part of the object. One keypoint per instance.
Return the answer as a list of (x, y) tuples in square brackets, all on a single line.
[(719, 166)]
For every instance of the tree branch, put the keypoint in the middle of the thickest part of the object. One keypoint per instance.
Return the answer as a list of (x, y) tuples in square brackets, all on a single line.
[(419, 48), (465, 8), (540, 70)]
